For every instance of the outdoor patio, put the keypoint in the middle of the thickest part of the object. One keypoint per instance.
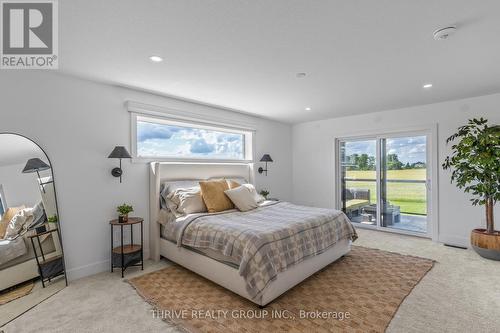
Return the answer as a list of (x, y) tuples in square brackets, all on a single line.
[(417, 223), (408, 222)]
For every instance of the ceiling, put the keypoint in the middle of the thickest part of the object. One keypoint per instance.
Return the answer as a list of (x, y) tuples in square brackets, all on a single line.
[(360, 56), (18, 150)]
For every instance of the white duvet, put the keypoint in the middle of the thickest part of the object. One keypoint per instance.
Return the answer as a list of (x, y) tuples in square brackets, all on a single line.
[(11, 249)]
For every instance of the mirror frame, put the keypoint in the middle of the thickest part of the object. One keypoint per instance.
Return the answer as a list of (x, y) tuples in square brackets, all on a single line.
[(59, 232)]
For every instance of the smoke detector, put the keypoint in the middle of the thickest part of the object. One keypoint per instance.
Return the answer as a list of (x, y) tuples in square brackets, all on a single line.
[(444, 33)]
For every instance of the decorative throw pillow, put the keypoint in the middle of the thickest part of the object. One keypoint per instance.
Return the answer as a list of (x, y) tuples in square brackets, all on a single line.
[(214, 197), (243, 198), (7, 216), (16, 225), (186, 201)]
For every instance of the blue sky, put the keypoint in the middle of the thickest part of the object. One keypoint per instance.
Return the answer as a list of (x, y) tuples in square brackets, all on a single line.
[(160, 140), (408, 149)]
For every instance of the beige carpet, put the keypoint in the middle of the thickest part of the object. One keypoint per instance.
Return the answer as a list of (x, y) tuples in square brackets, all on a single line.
[(359, 293), (15, 293), (460, 294)]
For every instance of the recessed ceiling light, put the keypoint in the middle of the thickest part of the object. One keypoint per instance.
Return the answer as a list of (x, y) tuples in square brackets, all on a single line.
[(300, 75), (155, 58), (427, 85), (308, 109)]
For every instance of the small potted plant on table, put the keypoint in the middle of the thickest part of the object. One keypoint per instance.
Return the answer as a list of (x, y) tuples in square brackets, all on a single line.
[(264, 193), (52, 219), (475, 162), (124, 210)]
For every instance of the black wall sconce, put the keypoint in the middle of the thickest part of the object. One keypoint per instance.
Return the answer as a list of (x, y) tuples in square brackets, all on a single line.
[(37, 165), (119, 152), (266, 158)]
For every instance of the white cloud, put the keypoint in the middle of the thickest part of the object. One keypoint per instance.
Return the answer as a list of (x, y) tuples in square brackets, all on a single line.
[(189, 142)]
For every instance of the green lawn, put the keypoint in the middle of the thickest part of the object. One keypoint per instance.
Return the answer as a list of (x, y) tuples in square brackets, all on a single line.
[(409, 196)]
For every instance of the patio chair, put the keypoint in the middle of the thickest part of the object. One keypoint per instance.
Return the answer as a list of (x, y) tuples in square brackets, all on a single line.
[(355, 199)]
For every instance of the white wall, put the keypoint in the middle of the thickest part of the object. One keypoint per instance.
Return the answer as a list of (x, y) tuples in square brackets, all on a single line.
[(19, 188), (78, 122), (313, 157)]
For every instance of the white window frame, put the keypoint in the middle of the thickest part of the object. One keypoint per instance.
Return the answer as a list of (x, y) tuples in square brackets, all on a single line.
[(432, 173), (189, 120), (2, 199)]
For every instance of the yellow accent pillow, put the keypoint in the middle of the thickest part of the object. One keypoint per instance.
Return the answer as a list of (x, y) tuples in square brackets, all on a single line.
[(7, 216), (212, 192)]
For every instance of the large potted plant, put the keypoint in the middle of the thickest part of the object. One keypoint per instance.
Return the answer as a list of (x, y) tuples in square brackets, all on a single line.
[(475, 165)]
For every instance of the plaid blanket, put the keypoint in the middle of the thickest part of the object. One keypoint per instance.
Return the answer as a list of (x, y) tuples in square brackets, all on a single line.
[(266, 240)]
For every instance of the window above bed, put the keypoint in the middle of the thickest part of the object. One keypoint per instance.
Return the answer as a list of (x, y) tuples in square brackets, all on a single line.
[(155, 138)]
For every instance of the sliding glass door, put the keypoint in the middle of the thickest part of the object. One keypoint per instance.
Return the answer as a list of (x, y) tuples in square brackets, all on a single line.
[(403, 179), (383, 181), (358, 164)]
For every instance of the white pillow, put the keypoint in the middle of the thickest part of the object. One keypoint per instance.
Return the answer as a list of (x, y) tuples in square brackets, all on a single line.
[(259, 198), (184, 201), (23, 218), (170, 186), (242, 197)]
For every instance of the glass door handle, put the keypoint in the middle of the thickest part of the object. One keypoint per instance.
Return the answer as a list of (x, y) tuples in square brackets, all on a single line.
[(428, 184)]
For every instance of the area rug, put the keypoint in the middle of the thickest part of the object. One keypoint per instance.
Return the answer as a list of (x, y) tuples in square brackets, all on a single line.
[(360, 292), (16, 292)]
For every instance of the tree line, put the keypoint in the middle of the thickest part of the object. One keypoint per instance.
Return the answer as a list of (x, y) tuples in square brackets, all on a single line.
[(366, 162)]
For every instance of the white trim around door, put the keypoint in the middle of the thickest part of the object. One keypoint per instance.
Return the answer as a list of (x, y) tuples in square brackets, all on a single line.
[(431, 182)]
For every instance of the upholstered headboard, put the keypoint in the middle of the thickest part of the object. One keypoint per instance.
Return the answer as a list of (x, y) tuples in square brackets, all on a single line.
[(164, 171)]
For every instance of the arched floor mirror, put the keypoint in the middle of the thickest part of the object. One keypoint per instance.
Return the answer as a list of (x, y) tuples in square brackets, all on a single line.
[(31, 255)]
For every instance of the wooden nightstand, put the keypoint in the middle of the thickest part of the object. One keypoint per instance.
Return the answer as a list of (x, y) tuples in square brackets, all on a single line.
[(48, 267), (127, 255)]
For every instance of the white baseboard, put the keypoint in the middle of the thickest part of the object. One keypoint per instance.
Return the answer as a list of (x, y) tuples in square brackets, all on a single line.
[(86, 270), (94, 268), (455, 240)]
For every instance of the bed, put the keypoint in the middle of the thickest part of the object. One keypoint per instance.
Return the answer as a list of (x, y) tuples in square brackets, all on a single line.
[(259, 254)]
